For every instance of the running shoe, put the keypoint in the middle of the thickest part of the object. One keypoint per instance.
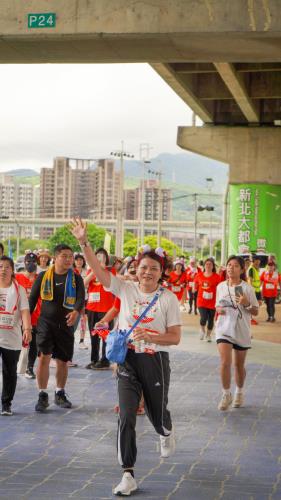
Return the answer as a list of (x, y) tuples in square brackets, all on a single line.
[(61, 400), (238, 400), (91, 365), (43, 402), (254, 322), (6, 410), (82, 345), (102, 364), (208, 338), (70, 364), (167, 444), (202, 336), (29, 373), (126, 486), (225, 402)]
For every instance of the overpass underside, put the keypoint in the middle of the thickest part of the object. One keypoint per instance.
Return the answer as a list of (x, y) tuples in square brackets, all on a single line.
[(222, 57)]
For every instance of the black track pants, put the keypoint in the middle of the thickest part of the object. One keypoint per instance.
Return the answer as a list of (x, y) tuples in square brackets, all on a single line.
[(149, 374)]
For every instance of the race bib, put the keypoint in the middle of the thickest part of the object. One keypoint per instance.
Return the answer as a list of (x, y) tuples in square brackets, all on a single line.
[(176, 288), (191, 283), (94, 297), (6, 320), (269, 286), (207, 295)]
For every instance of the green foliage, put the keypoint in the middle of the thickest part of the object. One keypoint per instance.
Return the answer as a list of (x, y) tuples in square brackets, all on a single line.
[(128, 236), (130, 247), (95, 236), (24, 245)]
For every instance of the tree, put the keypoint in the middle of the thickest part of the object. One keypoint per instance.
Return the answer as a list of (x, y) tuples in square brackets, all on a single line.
[(130, 248), (95, 236)]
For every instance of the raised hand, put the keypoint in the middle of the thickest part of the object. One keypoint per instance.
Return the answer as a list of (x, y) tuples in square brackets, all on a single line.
[(79, 229)]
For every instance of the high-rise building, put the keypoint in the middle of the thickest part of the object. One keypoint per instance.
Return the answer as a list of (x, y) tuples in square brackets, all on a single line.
[(133, 202), (105, 194), (83, 189), (16, 201)]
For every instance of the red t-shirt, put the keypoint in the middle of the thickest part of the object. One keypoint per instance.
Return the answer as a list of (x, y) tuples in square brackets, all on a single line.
[(270, 283), (191, 275), (27, 283), (177, 284), (99, 300), (207, 290)]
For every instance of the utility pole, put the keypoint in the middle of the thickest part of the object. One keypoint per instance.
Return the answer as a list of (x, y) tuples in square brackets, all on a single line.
[(120, 214), (195, 201), (144, 158), (160, 206)]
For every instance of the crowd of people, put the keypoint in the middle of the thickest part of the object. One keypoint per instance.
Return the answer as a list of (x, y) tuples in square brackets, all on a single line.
[(42, 305)]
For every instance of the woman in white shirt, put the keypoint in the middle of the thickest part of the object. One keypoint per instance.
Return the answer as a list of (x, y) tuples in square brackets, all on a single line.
[(14, 311), (146, 368), (235, 303)]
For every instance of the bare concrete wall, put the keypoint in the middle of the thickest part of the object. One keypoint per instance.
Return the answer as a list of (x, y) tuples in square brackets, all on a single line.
[(252, 153)]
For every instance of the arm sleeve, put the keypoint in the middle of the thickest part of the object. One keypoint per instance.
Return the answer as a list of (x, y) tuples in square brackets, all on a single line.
[(116, 285), (35, 292), (23, 302), (173, 317), (80, 293)]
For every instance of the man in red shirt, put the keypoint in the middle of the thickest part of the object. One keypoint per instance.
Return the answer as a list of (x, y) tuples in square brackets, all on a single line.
[(26, 279)]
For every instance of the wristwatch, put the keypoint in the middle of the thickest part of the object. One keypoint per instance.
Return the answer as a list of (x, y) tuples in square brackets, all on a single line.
[(85, 244)]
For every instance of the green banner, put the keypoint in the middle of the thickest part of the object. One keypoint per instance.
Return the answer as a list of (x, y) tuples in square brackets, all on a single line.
[(255, 219)]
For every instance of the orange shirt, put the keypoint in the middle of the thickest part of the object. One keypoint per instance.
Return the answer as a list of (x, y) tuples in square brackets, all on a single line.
[(207, 290), (99, 300), (270, 283), (27, 283)]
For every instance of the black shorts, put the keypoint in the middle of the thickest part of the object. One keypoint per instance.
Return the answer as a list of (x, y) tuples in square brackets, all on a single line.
[(55, 339), (235, 346)]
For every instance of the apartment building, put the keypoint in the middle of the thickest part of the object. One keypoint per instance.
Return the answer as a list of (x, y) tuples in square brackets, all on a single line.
[(16, 201), (133, 202), (78, 187)]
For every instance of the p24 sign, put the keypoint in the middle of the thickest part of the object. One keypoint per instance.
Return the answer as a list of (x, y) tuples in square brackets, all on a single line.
[(42, 20)]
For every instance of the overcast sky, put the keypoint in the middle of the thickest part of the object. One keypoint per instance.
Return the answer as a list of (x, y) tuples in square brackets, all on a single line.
[(84, 111)]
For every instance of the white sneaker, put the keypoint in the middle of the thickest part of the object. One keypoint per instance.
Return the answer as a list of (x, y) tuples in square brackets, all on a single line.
[(182, 308), (168, 444), (126, 486), (202, 336), (238, 400), (82, 345), (208, 338), (225, 402)]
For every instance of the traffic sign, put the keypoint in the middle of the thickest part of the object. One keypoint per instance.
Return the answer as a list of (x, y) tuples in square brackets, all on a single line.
[(42, 20)]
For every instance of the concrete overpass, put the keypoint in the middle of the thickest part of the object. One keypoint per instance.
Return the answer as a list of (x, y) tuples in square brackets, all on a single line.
[(223, 58)]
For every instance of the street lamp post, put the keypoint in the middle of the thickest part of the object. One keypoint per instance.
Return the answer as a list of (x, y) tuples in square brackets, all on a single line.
[(195, 197), (120, 214), (210, 184), (210, 209)]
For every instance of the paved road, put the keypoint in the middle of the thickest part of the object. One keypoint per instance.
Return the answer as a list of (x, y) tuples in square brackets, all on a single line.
[(71, 453)]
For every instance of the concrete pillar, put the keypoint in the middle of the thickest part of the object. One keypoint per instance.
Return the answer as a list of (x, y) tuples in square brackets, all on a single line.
[(254, 158)]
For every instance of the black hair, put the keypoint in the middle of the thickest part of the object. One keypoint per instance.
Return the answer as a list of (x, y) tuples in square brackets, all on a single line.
[(5, 258), (181, 264), (105, 253), (130, 262), (80, 256), (241, 263), (210, 259), (59, 248), (2, 247)]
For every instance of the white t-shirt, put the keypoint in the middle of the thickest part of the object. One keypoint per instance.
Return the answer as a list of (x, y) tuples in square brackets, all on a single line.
[(163, 314), (242, 327), (12, 338)]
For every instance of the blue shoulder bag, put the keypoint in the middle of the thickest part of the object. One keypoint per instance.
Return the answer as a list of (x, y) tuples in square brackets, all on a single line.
[(117, 340)]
